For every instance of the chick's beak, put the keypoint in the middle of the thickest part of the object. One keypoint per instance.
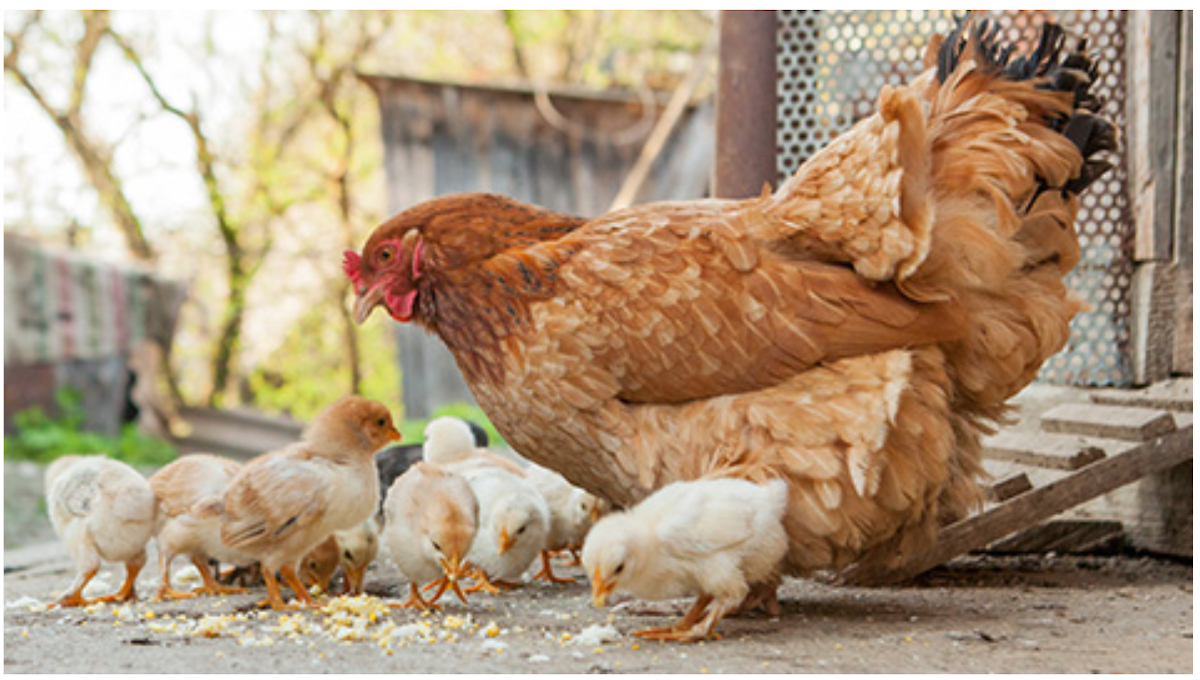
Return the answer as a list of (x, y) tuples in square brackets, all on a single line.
[(601, 589), (394, 435), (506, 541), (366, 302)]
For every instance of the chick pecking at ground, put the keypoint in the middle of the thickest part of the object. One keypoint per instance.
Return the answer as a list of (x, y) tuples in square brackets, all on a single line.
[(185, 490), (394, 461), (104, 511), (513, 524), (357, 549), (285, 503), (319, 565), (432, 517), (711, 538), (572, 512), (450, 441)]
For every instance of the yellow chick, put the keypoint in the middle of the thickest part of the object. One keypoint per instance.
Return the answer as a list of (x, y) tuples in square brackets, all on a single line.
[(285, 503), (712, 538), (186, 491), (432, 517), (357, 549), (513, 524), (572, 513), (450, 441), (104, 511)]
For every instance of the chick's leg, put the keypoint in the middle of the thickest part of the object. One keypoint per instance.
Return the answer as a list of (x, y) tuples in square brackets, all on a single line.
[(127, 592), (682, 626), (274, 599), (211, 585), (547, 571), (73, 597), (289, 576), (165, 590), (415, 600)]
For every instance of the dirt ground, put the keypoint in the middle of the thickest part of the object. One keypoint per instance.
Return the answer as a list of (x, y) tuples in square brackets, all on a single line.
[(1027, 614)]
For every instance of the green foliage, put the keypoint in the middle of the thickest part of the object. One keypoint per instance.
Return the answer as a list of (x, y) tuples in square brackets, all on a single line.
[(413, 431), (41, 438)]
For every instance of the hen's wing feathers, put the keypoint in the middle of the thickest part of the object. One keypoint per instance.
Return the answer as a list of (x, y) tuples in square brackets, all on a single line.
[(676, 305), (266, 503)]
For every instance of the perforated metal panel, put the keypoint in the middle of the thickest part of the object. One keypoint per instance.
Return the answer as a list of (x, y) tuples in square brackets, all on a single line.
[(831, 66)]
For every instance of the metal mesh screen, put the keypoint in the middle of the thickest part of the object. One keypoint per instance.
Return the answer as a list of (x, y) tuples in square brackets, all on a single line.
[(831, 66)]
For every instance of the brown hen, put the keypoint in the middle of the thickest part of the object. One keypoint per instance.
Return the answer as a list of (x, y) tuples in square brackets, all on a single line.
[(852, 333)]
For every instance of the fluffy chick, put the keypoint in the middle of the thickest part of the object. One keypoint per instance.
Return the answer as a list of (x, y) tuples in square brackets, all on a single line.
[(572, 512), (513, 524), (432, 517), (712, 538), (320, 564), (396, 460), (285, 503), (104, 511), (449, 441), (184, 491)]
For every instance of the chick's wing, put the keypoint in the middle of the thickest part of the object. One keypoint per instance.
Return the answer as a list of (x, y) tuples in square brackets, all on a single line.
[(698, 524), (270, 499)]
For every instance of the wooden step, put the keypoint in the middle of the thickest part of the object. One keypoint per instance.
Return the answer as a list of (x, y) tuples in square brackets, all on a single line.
[(1063, 536), (1130, 423), (1043, 449), (1170, 395), (1006, 488)]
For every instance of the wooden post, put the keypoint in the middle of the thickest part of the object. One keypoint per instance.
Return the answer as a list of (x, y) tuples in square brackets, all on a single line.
[(745, 156)]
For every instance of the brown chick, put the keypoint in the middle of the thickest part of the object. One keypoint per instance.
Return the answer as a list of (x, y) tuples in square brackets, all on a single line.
[(285, 503), (104, 511), (319, 565), (186, 490)]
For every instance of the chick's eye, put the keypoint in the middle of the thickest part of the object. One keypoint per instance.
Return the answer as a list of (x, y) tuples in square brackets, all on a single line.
[(521, 530), (436, 546), (381, 422), (620, 568)]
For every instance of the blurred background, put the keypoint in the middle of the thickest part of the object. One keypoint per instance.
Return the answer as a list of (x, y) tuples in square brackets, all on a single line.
[(179, 188)]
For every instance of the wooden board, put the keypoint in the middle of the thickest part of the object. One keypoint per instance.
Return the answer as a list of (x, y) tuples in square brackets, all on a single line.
[(1010, 486), (1042, 449), (1063, 536), (1112, 422), (1038, 505)]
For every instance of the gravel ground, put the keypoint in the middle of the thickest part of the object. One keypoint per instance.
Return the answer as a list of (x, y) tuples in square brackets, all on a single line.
[(1027, 614)]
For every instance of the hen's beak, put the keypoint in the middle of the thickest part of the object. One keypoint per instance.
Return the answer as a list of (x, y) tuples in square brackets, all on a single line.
[(366, 303), (506, 541), (601, 589)]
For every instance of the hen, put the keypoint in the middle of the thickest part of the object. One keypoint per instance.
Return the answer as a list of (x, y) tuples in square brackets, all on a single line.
[(283, 504), (852, 333), (711, 538), (104, 511), (183, 490)]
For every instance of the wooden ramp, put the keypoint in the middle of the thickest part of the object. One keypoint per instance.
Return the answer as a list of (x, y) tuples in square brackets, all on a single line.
[(1100, 445)]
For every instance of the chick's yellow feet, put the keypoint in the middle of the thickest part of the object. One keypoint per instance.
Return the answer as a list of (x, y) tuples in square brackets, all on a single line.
[(547, 572)]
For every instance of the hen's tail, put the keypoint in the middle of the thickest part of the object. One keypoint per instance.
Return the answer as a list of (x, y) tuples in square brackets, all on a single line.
[(1012, 142)]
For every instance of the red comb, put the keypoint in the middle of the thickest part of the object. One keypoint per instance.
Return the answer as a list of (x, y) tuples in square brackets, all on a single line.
[(352, 265)]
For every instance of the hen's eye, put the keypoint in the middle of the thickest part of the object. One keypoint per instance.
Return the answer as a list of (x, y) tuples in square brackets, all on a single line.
[(386, 254)]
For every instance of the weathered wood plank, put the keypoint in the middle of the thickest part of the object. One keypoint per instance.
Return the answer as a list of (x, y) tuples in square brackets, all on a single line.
[(1130, 423), (1171, 395), (1008, 487), (1062, 536), (1042, 449), (1037, 505)]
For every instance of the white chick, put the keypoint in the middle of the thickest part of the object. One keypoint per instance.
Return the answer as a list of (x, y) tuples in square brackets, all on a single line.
[(450, 441), (572, 513), (432, 516), (357, 549), (712, 538), (185, 490), (104, 511), (513, 524), (283, 504)]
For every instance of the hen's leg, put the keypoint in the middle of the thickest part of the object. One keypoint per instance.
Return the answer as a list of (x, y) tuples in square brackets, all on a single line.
[(211, 585), (547, 571)]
